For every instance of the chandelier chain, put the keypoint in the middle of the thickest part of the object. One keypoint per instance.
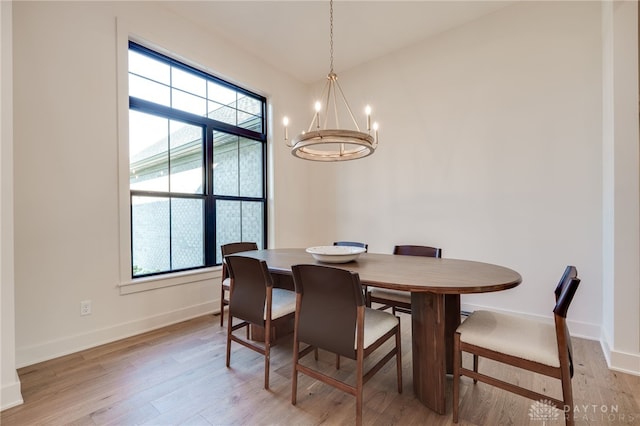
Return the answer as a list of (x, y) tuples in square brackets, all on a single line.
[(331, 34)]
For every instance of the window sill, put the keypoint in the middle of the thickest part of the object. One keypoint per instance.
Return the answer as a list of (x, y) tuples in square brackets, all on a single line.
[(169, 280)]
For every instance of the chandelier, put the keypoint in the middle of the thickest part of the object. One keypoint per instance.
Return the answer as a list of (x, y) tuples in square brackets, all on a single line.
[(323, 143)]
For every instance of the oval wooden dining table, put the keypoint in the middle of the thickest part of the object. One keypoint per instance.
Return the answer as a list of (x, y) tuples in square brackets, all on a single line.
[(435, 285)]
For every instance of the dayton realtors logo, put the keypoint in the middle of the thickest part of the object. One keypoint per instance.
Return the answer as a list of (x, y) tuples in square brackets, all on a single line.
[(545, 411)]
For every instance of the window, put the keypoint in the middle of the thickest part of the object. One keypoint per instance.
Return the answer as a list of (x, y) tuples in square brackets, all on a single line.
[(197, 156)]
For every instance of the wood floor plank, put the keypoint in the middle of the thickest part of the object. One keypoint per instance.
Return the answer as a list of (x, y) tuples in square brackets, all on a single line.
[(177, 375)]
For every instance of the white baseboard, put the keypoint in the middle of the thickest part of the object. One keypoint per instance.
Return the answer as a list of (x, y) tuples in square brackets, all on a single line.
[(10, 395), (623, 362), (53, 349)]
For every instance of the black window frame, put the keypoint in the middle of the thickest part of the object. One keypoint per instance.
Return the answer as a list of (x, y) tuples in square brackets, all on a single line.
[(209, 126)]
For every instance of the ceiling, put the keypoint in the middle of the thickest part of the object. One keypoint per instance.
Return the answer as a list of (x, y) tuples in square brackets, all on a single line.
[(293, 36)]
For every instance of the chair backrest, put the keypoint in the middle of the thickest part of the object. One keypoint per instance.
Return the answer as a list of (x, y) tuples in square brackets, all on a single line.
[(351, 244), (231, 248), (250, 279), (409, 250), (569, 273), (564, 292), (329, 299)]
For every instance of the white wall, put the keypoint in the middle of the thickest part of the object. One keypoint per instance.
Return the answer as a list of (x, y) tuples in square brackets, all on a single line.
[(9, 381), (66, 171), (621, 180), (490, 147)]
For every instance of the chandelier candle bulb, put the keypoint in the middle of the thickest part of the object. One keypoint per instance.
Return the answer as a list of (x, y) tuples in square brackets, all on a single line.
[(367, 111), (318, 107), (285, 122)]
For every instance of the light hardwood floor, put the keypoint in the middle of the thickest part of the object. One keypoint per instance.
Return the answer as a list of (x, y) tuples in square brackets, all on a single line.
[(177, 375)]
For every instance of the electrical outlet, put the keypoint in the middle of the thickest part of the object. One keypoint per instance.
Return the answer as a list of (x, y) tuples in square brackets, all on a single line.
[(85, 307)]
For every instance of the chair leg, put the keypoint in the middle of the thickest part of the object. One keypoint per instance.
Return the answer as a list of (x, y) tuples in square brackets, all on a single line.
[(475, 367), (267, 353), (567, 396), (229, 331), (399, 357), (337, 361), (359, 386), (457, 360), (294, 376), (222, 305)]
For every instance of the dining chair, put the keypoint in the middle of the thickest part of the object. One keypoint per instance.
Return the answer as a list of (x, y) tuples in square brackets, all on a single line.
[(532, 345), (331, 315), (226, 250), (255, 301), (365, 246), (351, 244), (397, 300)]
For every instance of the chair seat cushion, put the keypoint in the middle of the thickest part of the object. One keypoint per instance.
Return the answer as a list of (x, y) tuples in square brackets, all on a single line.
[(226, 283), (512, 335), (376, 324), (283, 302), (389, 294)]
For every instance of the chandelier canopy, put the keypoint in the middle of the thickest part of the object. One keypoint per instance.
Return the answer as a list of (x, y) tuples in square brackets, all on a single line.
[(323, 143)]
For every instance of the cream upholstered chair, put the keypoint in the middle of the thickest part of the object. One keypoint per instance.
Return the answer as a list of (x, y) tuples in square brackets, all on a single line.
[(226, 250), (331, 315), (527, 344), (254, 300), (397, 300)]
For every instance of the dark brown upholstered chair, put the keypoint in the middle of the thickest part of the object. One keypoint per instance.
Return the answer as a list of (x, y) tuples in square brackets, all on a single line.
[(351, 244), (226, 250), (254, 301), (331, 315), (348, 244), (395, 299), (524, 343)]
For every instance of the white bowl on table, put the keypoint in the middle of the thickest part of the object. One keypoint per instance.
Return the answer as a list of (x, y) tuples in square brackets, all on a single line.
[(335, 254)]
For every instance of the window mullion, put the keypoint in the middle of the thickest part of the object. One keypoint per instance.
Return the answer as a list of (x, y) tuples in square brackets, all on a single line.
[(210, 204)]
